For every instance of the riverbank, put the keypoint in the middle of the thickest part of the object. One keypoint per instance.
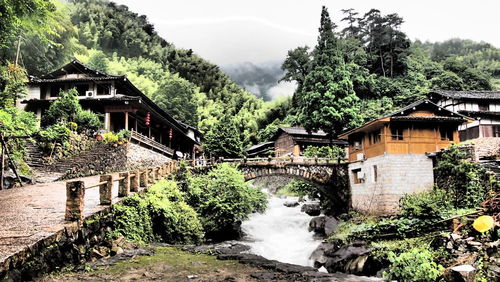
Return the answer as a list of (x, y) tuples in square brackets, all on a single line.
[(168, 263)]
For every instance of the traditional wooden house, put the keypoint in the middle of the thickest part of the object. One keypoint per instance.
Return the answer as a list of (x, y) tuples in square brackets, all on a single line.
[(483, 106), (294, 140), (260, 150), (387, 156), (120, 103)]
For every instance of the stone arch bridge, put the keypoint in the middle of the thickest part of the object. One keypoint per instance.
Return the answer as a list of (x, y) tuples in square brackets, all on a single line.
[(329, 175)]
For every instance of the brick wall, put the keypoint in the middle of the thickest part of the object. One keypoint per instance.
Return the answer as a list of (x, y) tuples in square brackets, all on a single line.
[(396, 175)]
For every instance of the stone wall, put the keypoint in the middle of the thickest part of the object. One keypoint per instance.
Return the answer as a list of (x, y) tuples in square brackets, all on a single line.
[(101, 160), (393, 177), (72, 245), (139, 157), (272, 182)]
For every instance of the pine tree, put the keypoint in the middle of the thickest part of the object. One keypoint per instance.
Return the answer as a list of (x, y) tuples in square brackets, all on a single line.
[(328, 101)]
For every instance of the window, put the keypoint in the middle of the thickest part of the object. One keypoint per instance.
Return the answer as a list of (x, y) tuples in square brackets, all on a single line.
[(103, 89), (397, 133), (375, 137), (496, 130), (358, 176), (375, 175), (82, 89), (356, 145), (446, 134), (484, 106), (56, 89)]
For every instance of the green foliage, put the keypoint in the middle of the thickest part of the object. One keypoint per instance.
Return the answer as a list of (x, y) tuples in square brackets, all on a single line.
[(299, 188), (87, 122), (12, 84), (223, 199), (159, 215), (56, 133), (414, 265), (14, 122), (177, 96), (223, 139), (112, 138), (327, 100), (333, 152), (467, 183), (67, 108), (431, 205)]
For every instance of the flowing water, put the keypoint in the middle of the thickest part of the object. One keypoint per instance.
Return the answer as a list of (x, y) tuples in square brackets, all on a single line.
[(281, 233)]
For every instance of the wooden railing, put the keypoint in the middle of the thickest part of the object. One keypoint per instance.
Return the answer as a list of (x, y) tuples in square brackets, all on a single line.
[(148, 142), (270, 161), (129, 181)]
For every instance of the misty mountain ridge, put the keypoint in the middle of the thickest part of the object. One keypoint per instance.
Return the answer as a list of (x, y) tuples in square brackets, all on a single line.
[(261, 79)]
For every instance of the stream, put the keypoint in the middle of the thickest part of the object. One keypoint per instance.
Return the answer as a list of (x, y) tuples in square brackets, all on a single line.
[(281, 233)]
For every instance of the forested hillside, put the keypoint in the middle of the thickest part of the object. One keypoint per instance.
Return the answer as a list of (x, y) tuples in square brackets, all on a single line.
[(351, 76)]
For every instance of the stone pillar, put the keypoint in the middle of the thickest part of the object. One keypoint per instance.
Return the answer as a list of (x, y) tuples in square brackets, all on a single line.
[(151, 176), (75, 197), (106, 189), (144, 178), (134, 181), (124, 185)]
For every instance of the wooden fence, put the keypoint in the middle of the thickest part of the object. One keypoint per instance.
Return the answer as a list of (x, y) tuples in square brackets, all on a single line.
[(129, 181)]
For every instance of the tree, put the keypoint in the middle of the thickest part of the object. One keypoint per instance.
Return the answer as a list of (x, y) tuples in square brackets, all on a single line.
[(12, 84), (223, 139), (177, 96), (328, 101)]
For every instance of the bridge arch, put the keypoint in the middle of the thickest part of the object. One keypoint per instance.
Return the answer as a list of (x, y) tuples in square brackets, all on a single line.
[(331, 178)]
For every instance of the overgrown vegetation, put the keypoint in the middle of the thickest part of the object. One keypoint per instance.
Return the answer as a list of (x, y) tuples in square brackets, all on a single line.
[(333, 152), (207, 206)]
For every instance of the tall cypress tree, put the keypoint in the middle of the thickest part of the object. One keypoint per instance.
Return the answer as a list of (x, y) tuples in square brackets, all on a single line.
[(328, 101)]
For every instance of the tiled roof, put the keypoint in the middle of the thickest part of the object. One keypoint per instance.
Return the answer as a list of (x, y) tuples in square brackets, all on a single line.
[(301, 131), (466, 94)]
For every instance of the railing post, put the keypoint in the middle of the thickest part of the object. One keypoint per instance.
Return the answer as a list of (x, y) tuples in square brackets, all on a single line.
[(158, 175), (134, 181), (144, 178), (151, 175), (75, 197), (106, 189), (124, 185)]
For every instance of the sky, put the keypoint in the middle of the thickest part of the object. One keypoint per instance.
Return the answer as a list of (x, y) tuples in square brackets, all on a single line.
[(232, 31)]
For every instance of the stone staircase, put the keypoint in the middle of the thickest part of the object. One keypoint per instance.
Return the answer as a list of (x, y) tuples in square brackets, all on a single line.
[(492, 165), (34, 157), (80, 160)]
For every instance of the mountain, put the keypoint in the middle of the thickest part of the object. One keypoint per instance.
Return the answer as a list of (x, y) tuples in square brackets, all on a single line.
[(260, 79)]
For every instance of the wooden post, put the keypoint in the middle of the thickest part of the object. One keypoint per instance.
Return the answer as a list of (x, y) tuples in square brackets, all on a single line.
[(75, 197), (106, 189), (126, 120), (134, 181), (124, 185), (2, 162), (144, 178)]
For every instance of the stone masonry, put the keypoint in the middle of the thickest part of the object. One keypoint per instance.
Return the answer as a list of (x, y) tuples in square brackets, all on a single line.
[(386, 179)]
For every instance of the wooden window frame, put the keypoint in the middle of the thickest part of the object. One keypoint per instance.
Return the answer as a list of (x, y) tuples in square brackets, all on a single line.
[(397, 133), (355, 178)]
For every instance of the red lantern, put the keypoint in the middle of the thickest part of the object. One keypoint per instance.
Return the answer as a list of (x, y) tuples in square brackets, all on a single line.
[(170, 134), (148, 118)]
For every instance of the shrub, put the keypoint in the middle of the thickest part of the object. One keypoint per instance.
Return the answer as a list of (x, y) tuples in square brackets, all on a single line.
[(87, 122), (124, 135), (161, 215), (110, 138), (324, 152), (57, 133), (223, 199), (299, 188), (467, 183), (414, 265), (427, 205)]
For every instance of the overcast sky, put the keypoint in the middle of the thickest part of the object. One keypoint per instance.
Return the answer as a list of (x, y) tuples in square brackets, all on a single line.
[(232, 31)]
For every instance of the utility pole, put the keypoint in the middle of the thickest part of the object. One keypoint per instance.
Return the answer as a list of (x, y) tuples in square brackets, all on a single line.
[(18, 49)]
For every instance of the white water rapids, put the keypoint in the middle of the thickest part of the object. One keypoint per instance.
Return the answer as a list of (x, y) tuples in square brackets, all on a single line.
[(281, 233)]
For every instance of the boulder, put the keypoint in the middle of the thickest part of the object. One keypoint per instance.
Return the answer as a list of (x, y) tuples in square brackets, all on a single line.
[(311, 209), (318, 256), (347, 258), (291, 204), (463, 273), (331, 224), (317, 224)]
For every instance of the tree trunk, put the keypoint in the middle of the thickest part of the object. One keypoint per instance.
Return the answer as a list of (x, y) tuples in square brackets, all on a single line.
[(381, 62)]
